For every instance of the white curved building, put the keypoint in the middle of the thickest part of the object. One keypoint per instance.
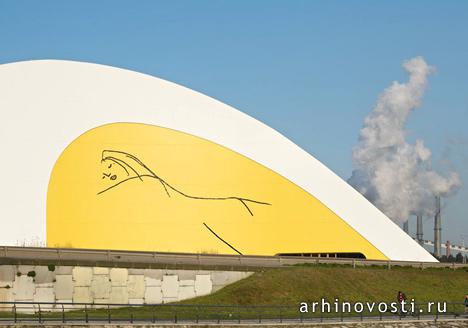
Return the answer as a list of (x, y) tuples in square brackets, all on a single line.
[(200, 176)]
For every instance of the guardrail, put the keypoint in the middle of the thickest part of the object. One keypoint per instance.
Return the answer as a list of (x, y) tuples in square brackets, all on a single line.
[(31, 312), (74, 256)]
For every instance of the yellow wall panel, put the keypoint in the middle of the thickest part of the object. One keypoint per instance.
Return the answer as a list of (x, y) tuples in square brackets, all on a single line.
[(141, 187)]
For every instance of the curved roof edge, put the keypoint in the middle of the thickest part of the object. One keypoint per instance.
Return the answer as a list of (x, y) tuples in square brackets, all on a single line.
[(80, 94)]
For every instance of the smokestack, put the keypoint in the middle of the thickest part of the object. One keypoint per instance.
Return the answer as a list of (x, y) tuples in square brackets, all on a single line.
[(405, 226), (448, 250), (437, 228), (419, 229)]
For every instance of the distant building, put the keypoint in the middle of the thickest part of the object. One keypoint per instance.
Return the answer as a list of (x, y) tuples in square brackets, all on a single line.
[(448, 249)]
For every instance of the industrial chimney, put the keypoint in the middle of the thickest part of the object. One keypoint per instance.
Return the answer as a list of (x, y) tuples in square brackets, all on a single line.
[(437, 228), (419, 229), (406, 226)]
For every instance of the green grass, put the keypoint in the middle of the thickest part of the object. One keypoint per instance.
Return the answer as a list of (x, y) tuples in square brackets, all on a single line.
[(288, 286)]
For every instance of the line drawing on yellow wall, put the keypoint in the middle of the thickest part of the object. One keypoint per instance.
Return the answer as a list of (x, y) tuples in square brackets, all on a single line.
[(217, 236), (134, 168)]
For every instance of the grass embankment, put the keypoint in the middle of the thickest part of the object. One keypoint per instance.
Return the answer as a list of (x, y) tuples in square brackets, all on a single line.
[(287, 286), (283, 289)]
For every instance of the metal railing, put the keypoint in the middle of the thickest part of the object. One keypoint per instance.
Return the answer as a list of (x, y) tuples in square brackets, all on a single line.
[(43, 312), (73, 256)]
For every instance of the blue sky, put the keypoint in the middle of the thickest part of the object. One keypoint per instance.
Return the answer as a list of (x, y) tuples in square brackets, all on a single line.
[(310, 69)]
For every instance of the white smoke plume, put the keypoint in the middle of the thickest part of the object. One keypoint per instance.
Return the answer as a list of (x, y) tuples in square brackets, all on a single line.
[(394, 175)]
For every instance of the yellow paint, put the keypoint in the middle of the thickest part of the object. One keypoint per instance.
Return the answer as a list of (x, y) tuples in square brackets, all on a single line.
[(139, 214)]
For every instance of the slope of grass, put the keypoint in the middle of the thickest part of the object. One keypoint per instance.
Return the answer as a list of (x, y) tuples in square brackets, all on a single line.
[(287, 286), (290, 286)]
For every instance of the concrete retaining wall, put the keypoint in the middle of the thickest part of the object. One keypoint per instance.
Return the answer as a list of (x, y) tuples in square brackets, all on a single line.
[(108, 285)]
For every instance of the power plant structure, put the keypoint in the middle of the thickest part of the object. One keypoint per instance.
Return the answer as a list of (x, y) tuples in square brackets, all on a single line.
[(437, 243), (448, 248), (406, 226), (437, 228), (419, 229)]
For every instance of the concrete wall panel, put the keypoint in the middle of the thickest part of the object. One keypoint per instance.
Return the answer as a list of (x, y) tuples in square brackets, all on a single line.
[(6, 295), (187, 282), (186, 292), (100, 270), (63, 269), (225, 277), (64, 287), (43, 275), (170, 300), (82, 276), (153, 295), (203, 284), (24, 269), (7, 275), (136, 301), (170, 286), (88, 284), (151, 282), (82, 295), (101, 301), (183, 274), (100, 287), (23, 288), (119, 295), (118, 277), (44, 295), (154, 273), (68, 301), (136, 286)]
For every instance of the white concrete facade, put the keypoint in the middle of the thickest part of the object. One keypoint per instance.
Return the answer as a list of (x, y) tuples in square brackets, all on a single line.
[(109, 285)]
